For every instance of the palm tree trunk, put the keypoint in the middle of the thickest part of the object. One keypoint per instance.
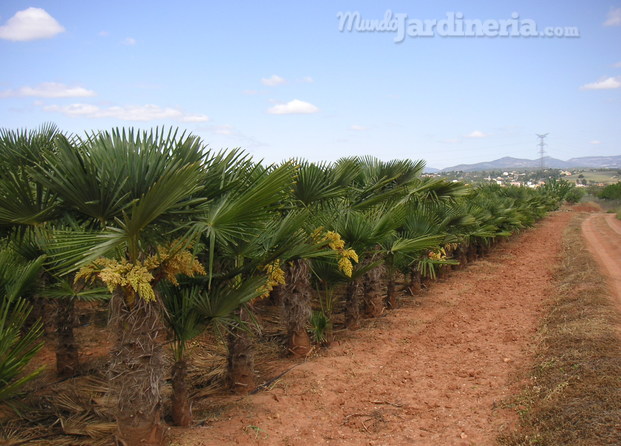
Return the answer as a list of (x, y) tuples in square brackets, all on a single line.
[(181, 403), (415, 281), (442, 272), (67, 362), (463, 257), (352, 305), (240, 367), (373, 296), (460, 253), (391, 295), (136, 370), (472, 253), (297, 307)]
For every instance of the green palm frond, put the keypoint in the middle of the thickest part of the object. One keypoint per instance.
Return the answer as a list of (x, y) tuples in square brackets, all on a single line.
[(241, 214), (17, 347), (64, 288), (18, 344), (19, 148), (17, 277), (413, 245), (76, 173), (23, 202), (219, 302), (316, 183)]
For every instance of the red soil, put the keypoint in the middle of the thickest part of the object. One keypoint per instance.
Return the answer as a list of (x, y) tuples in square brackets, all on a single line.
[(587, 207), (603, 235), (434, 372)]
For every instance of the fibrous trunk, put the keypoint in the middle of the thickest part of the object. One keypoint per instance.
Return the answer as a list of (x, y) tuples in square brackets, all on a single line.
[(136, 369), (181, 403), (462, 258), (297, 306), (391, 295), (442, 272), (66, 347), (415, 281), (472, 253), (352, 304), (240, 361), (373, 295)]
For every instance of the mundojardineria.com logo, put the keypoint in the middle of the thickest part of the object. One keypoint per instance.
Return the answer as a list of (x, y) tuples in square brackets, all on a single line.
[(453, 25)]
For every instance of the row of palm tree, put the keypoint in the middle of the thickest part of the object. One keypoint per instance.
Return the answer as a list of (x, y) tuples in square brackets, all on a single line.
[(180, 239)]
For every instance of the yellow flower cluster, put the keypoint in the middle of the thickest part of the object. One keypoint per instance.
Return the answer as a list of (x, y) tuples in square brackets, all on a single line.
[(451, 246), (337, 244), (171, 265), (275, 277), (137, 278), (439, 254)]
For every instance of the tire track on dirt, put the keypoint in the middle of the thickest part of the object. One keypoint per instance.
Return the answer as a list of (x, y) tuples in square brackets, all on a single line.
[(431, 373), (614, 223), (602, 233)]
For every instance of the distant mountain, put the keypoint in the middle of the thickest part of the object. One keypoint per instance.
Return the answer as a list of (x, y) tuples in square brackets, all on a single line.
[(604, 162), (595, 162), (431, 170)]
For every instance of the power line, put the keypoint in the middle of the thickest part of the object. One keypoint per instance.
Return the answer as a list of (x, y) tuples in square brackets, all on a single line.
[(541, 150)]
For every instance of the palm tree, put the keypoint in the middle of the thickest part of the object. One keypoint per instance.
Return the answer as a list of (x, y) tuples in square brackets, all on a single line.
[(364, 232), (191, 308), (26, 209), (317, 191), (32, 243), (18, 342), (136, 190), (238, 225)]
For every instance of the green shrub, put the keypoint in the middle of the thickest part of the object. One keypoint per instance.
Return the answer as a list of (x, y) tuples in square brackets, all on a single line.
[(611, 192), (574, 195)]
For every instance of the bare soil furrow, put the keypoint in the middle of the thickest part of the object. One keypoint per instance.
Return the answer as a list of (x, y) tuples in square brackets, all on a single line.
[(603, 235), (434, 372)]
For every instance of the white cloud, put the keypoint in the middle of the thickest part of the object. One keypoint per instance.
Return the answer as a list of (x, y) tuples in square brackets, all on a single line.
[(308, 80), (476, 134), (450, 140), (595, 141), (74, 109), (358, 128), (273, 80), (250, 92), (293, 107), (195, 118), (604, 84), (613, 18), (48, 90), (129, 41), (30, 24), (223, 129), (147, 112), (617, 65), (103, 33)]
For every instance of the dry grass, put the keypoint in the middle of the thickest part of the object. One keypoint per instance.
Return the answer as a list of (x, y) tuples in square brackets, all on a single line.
[(73, 412), (574, 395)]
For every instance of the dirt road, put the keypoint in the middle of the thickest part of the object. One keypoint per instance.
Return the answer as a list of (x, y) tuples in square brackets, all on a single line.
[(431, 373), (603, 235)]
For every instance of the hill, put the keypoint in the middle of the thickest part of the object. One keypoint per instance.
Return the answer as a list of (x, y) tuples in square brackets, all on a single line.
[(594, 162)]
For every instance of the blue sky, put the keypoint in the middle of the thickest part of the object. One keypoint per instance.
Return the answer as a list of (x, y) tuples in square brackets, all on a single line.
[(280, 80)]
